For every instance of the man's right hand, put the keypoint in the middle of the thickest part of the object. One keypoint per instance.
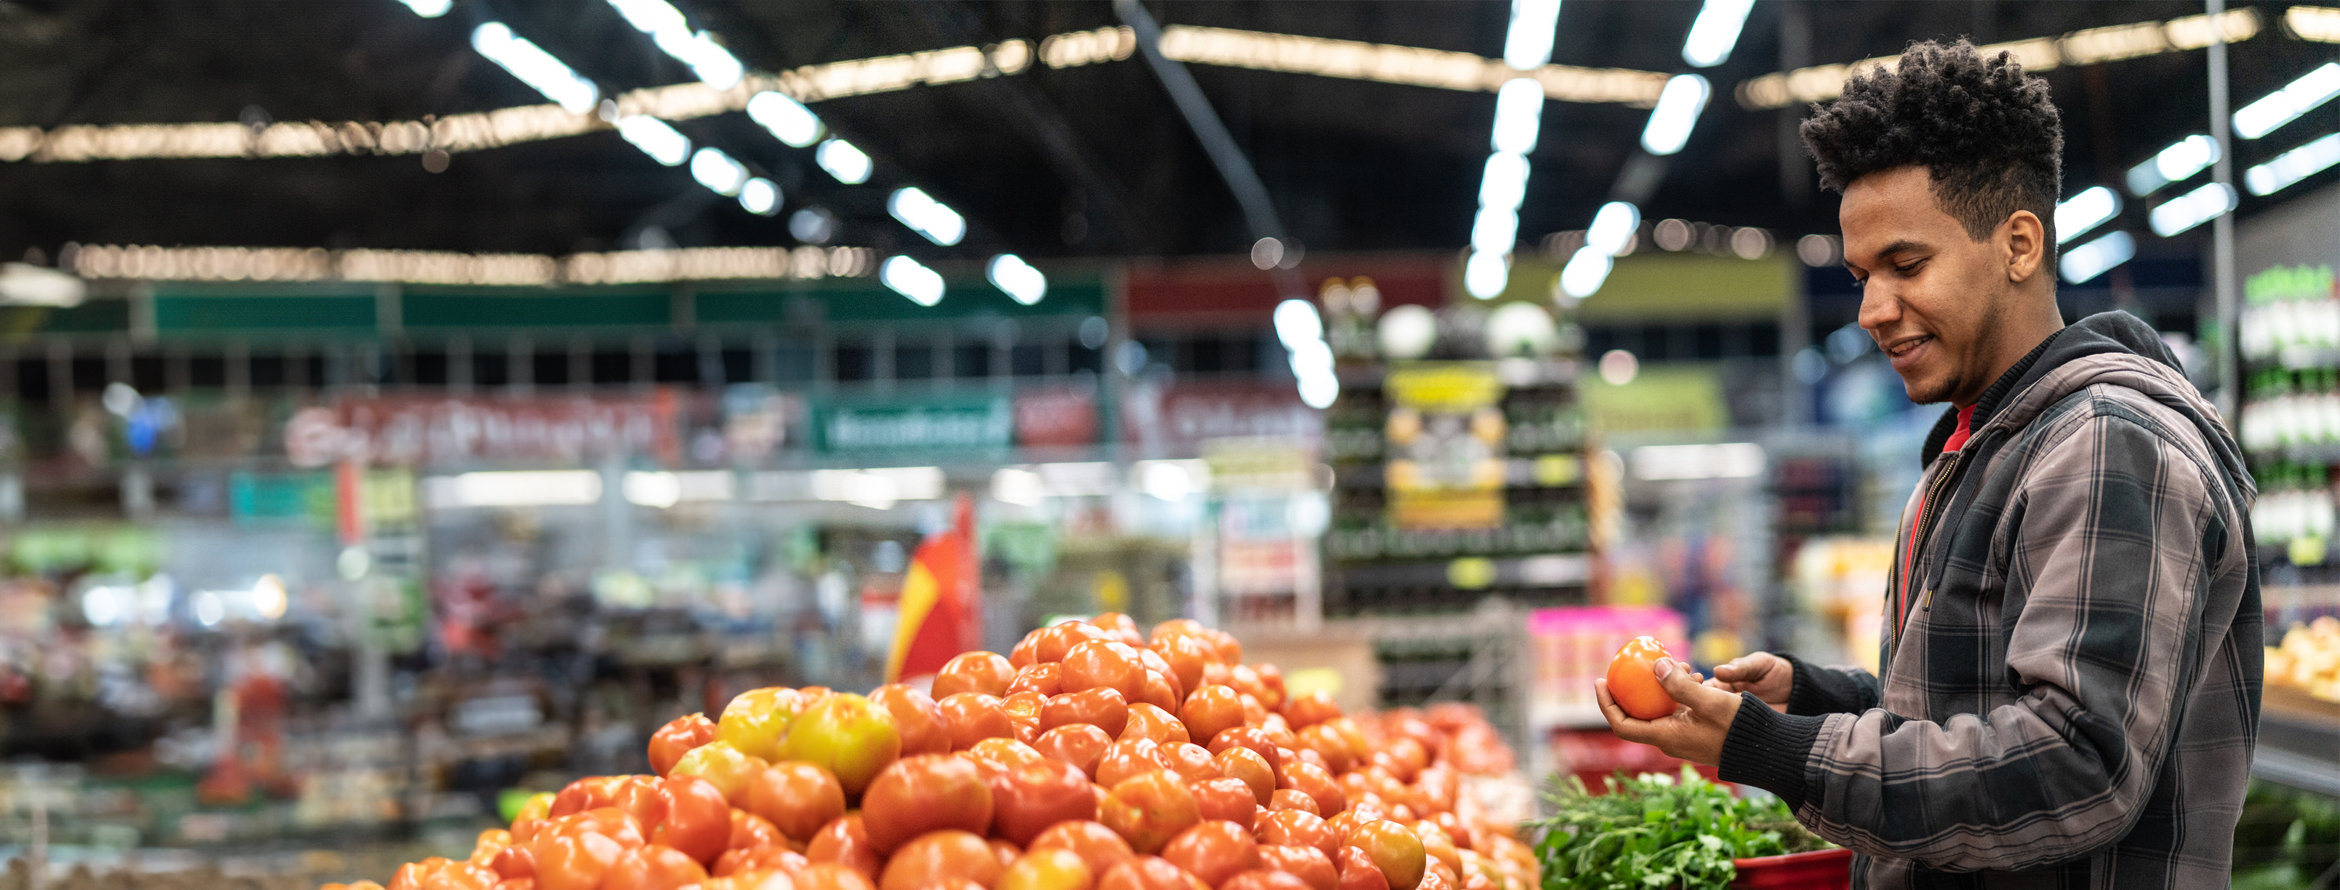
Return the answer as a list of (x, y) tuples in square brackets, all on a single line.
[(1769, 676)]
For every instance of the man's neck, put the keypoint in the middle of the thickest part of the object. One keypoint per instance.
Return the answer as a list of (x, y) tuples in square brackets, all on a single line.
[(2018, 341)]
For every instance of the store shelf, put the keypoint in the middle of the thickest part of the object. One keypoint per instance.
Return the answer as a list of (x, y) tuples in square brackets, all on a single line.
[(1548, 716), (2299, 741), (1561, 471), (1546, 570)]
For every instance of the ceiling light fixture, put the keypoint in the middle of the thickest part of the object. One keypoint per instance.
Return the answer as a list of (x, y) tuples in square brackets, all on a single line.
[(1017, 278), (1676, 113), (2089, 260), (787, 119), (919, 211), (663, 143), (2192, 209), (535, 67), (2287, 104), (2180, 160), (714, 65), (1527, 42), (760, 196), (842, 161), (719, 172), (1715, 32), (905, 276), (2292, 166), (2084, 211)]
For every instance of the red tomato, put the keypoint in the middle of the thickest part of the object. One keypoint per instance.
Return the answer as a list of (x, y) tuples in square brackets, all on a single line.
[(984, 672), (916, 714), (1357, 871), (1121, 626), (1326, 743), (1288, 799), (1078, 744), (1633, 681), (1105, 663), (1160, 689), (770, 879), (677, 738), (1255, 739), (831, 876), (749, 831), (1036, 795), (1395, 851), (1023, 708), (1124, 760), (1186, 656), (1096, 844), (1213, 851), (917, 795), (692, 817), (653, 867), (515, 861), (1313, 781), (1047, 870), (1189, 761), (1102, 707), (796, 797), (1057, 641), (1149, 810), (575, 860), (1146, 873), (1150, 721), (1267, 879), (1046, 679), (936, 856), (752, 859), (1236, 762), (970, 717), (1309, 864), (1227, 800), (1211, 710), (1294, 828), (846, 842), (995, 756)]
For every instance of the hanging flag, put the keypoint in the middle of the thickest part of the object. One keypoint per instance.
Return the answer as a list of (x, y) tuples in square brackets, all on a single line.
[(942, 600)]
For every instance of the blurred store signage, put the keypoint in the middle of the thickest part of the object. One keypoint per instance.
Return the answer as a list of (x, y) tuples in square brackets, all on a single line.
[(1657, 398), (931, 423), (1062, 416), (1178, 418), (416, 430)]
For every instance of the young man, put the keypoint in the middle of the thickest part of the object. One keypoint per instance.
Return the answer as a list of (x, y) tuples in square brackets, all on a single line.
[(2070, 690)]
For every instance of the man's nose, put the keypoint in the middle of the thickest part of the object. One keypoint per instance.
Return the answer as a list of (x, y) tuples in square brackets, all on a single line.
[(1879, 308)]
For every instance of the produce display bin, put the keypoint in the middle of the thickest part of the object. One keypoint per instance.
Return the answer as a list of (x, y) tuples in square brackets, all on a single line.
[(1816, 870)]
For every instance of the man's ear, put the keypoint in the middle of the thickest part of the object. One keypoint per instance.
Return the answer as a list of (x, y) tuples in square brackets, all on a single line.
[(2025, 245)]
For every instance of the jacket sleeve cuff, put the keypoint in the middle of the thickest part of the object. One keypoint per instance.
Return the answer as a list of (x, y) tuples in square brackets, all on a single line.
[(1817, 691), (1769, 750)]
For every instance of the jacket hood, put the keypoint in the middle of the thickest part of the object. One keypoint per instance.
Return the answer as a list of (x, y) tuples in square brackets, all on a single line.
[(2106, 348)]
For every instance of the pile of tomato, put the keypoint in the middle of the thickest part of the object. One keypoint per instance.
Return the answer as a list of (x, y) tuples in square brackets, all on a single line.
[(1089, 758)]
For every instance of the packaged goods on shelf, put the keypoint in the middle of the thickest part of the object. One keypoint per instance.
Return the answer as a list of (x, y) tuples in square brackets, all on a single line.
[(1079, 758), (2308, 659)]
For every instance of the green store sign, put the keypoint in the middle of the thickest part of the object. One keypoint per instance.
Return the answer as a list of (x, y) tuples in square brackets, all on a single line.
[(935, 424)]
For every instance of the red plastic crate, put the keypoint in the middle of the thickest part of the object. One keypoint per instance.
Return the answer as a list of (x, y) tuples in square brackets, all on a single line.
[(1816, 870)]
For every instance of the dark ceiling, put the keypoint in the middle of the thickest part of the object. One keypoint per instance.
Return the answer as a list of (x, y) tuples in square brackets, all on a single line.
[(1351, 165)]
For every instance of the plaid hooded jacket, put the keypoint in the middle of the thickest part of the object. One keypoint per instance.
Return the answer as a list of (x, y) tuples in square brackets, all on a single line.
[(2074, 698)]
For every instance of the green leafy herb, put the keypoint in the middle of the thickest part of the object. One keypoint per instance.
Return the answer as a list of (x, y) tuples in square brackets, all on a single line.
[(1654, 832)]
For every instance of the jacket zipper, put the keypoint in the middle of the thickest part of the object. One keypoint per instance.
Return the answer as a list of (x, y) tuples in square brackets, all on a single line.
[(1925, 526)]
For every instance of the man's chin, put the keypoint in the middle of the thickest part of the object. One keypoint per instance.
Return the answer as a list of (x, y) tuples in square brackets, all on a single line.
[(1926, 392)]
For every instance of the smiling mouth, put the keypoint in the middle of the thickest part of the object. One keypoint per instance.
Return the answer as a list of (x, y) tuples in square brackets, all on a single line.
[(1902, 348)]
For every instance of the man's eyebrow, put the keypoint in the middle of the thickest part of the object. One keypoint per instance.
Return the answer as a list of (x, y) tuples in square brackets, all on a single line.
[(1904, 245)]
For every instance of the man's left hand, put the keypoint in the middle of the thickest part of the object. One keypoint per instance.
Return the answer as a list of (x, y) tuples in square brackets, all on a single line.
[(1694, 732)]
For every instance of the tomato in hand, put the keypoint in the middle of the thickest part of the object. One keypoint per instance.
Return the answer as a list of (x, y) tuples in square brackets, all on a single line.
[(796, 797), (1036, 795), (938, 856), (1149, 810), (917, 795), (1633, 681), (849, 735), (677, 738)]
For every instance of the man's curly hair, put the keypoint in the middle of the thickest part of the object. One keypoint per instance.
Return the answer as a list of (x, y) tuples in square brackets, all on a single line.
[(1987, 133)]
